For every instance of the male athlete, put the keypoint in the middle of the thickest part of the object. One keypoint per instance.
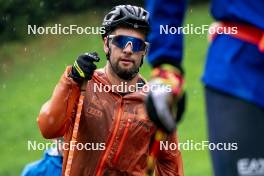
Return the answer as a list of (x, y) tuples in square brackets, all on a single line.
[(113, 124)]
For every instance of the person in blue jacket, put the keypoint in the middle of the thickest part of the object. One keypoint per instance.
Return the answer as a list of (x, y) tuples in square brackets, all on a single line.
[(51, 164), (233, 78)]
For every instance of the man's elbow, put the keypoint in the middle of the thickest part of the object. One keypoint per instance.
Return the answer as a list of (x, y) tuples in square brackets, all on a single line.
[(47, 125)]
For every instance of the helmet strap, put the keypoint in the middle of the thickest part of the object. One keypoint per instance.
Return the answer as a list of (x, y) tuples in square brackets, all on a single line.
[(142, 60), (109, 49)]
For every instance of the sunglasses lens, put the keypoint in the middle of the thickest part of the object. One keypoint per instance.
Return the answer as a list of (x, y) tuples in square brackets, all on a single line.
[(121, 42)]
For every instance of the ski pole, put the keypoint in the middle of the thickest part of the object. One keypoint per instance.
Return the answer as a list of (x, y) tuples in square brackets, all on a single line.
[(75, 130)]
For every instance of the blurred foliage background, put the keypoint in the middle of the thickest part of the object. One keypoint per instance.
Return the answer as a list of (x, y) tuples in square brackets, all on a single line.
[(17, 14), (31, 65)]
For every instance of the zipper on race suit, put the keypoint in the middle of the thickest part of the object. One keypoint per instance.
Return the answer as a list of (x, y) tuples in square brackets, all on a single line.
[(120, 146), (111, 139)]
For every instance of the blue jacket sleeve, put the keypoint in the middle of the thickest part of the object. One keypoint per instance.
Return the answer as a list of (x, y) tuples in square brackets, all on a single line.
[(49, 165), (165, 47)]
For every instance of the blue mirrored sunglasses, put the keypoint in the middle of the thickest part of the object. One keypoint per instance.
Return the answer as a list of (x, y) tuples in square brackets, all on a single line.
[(121, 41)]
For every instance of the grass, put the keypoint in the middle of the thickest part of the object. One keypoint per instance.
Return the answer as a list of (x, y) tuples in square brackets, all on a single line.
[(31, 69)]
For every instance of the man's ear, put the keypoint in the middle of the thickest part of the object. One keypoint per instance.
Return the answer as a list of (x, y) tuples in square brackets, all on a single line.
[(106, 48)]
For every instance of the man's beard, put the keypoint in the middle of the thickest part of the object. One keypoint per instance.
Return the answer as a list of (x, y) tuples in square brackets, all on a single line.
[(125, 74)]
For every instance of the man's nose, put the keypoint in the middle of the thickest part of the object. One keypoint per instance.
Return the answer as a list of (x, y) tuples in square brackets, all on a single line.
[(128, 48)]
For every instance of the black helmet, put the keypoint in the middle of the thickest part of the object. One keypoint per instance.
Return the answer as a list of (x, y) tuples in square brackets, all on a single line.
[(127, 15)]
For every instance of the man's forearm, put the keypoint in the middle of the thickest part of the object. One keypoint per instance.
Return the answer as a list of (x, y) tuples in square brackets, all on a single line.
[(54, 117), (165, 47)]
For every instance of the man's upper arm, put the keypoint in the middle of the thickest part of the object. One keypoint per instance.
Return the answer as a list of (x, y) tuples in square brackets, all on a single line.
[(55, 115)]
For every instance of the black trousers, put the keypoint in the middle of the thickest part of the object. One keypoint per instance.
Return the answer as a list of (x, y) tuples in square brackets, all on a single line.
[(233, 120)]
